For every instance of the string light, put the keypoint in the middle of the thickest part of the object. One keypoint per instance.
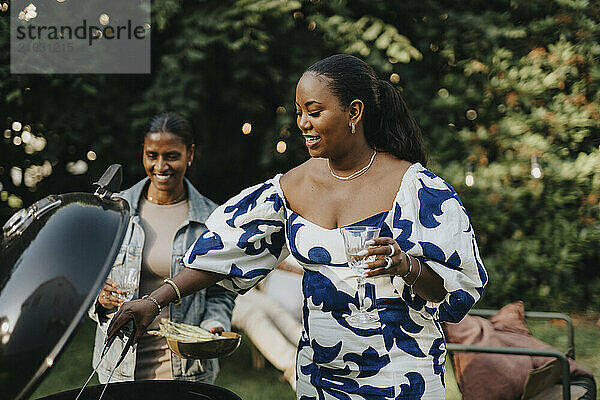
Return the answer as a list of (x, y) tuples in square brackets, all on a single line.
[(281, 146), (469, 178), (104, 19), (247, 128), (536, 170)]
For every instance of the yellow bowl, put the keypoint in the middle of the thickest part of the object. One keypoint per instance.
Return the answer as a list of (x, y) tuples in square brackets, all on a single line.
[(216, 348)]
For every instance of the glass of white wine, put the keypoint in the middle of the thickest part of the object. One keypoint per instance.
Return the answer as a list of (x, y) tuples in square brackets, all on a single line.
[(126, 280), (355, 238)]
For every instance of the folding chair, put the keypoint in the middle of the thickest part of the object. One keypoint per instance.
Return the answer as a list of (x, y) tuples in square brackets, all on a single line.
[(530, 389)]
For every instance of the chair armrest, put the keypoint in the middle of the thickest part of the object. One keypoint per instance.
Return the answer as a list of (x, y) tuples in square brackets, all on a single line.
[(539, 315), (564, 362)]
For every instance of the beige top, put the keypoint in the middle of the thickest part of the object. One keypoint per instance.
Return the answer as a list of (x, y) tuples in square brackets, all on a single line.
[(160, 224)]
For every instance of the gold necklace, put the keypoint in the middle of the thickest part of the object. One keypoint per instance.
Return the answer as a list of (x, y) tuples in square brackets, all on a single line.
[(356, 174), (155, 201)]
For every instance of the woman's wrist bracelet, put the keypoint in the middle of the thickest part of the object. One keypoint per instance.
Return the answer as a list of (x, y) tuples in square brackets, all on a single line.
[(176, 289), (407, 273), (410, 286), (152, 299)]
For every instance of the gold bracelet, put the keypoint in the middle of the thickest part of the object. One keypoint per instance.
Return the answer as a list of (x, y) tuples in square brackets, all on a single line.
[(176, 289)]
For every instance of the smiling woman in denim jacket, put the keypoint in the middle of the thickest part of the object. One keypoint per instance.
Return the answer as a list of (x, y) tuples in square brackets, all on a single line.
[(168, 214)]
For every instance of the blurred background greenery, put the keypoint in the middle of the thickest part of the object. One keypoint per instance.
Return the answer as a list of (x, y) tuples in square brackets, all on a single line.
[(506, 91)]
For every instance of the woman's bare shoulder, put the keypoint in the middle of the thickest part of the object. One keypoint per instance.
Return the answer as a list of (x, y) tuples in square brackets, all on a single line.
[(298, 176), (393, 167)]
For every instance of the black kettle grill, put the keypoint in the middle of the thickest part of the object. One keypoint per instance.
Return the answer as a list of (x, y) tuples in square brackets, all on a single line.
[(54, 257)]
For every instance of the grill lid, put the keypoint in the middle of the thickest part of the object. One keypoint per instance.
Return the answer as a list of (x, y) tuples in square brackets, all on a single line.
[(54, 258)]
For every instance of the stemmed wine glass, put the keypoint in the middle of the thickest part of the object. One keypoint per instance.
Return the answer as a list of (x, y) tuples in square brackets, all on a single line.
[(355, 238)]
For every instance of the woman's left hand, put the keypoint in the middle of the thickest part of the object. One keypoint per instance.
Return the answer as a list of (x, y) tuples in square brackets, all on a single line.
[(217, 330), (391, 260)]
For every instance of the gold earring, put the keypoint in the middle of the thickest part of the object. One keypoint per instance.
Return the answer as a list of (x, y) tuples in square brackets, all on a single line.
[(353, 128)]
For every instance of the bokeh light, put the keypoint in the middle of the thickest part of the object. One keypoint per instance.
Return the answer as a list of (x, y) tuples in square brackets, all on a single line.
[(16, 175), (469, 179), (26, 136), (281, 146), (536, 170), (104, 19), (247, 128), (14, 201), (78, 167), (91, 155)]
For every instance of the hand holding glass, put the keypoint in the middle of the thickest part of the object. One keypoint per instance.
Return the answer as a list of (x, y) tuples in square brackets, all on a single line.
[(126, 280), (355, 238)]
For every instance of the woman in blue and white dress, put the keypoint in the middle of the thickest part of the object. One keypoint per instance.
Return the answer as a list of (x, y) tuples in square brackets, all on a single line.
[(367, 167)]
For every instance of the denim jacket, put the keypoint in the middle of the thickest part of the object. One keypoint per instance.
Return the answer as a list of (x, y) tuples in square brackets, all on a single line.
[(207, 308)]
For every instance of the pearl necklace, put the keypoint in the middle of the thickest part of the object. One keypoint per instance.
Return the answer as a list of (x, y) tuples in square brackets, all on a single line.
[(355, 174)]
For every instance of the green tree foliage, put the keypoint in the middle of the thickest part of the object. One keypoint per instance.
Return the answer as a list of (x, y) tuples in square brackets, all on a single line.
[(525, 89)]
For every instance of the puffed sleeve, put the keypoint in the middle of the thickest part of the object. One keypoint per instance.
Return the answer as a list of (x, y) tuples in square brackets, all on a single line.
[(431, 223), (245, 237)]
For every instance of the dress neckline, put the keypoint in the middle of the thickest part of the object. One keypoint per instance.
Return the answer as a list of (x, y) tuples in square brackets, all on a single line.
[(410, 170)]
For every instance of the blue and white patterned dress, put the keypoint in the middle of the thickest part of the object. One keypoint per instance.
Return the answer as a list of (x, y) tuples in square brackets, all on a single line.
[(403, 357)]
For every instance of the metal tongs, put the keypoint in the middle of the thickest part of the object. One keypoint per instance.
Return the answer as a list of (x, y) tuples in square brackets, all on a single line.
[(127, 328)]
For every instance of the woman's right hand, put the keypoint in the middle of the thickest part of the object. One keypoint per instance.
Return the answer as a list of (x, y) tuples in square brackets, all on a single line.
[(108, 295), (142, 311)]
